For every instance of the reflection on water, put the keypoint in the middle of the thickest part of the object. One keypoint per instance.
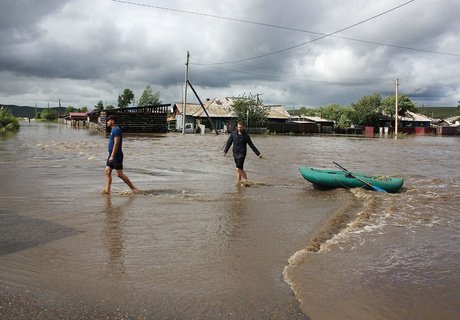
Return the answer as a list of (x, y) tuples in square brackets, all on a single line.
[(115, 235), (19, 232), (195, 245)]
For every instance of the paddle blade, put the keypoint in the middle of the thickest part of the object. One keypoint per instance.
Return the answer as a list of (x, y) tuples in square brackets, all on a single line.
[(377, 188)]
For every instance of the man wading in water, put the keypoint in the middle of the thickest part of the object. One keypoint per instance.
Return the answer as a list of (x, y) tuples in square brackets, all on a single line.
[(240, 139), (115, 159)]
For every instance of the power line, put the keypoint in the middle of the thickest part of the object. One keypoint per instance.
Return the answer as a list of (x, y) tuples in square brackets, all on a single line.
[(322, 35), (267, 74), (319, 38)]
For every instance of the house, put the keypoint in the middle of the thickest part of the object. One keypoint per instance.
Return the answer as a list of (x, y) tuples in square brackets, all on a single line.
[(323, 125), (449, 126), (452, 121), (408, 119), (76, 119), (412, 119), (220, 111)]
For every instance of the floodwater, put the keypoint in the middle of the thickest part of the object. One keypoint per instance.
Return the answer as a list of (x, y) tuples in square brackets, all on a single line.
[(195, 245)]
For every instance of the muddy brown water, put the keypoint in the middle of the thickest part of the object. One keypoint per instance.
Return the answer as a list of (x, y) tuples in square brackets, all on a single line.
[(195, 245)]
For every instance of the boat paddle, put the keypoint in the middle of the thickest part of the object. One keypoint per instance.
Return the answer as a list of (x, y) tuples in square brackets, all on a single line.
[(363, 181)]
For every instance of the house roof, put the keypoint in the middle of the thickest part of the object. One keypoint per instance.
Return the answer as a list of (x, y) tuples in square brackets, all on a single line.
[(222, 108), (77, 116), (452, 120), (303, 118), (277, 112), (412, 116), (81, 114)]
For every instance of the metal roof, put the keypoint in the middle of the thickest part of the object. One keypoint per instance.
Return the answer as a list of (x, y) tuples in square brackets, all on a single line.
[(222, 108)]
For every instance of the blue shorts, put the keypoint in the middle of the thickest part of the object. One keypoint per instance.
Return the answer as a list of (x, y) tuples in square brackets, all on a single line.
[(239, 163), (117, 162)]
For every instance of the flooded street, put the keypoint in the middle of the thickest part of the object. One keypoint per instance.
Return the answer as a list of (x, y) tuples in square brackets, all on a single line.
[(194, 245)]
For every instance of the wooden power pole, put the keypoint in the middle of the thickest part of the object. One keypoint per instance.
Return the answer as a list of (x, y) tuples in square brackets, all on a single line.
[(184, 106), (396, 113)]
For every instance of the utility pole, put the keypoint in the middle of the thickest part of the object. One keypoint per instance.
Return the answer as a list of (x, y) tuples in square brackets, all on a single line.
[(396, 113), (184, 106)]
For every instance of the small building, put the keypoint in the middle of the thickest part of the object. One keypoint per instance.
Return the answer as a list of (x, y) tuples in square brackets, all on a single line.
[(412, 119), (449, 126), (323, 125), (277, 114), (452, 121), (220, 111), (76, 119), (408, 119)]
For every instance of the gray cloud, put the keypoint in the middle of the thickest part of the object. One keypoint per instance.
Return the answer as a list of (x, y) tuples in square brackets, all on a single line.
[(83, 51)]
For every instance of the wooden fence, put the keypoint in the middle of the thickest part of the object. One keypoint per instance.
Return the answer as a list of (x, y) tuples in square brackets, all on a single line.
[(145, 119)]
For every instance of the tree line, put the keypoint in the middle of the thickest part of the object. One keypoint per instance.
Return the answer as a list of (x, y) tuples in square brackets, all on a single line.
[(367, 111), (148, 98)]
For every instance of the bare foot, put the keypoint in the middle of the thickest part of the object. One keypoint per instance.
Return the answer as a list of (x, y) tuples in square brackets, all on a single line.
[(105, 192), (136, 191)]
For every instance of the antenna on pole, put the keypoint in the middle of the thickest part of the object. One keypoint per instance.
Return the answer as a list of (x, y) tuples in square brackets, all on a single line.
[(184, 106), (396, 113)]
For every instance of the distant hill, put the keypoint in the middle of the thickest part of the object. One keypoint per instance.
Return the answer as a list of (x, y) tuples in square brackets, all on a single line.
[(26, 111), (439, 112)]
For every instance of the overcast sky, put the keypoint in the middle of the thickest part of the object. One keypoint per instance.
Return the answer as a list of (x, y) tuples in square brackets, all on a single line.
[(294, 53)]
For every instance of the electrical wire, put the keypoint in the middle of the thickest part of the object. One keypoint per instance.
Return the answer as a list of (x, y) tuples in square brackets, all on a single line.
[(322, 35)]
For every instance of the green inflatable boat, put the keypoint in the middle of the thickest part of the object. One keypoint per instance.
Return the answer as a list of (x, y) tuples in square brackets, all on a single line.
[(344, 179)]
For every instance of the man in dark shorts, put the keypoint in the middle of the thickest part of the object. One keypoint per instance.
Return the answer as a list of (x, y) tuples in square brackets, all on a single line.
[(115, 159), (240, 139)]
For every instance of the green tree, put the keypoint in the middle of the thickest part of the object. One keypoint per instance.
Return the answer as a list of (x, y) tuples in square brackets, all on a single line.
[(125, 98), (84, 109), (110, 107), (250, 109), (49, 114), (335, 112), (99, 106), (70, 109), (148, 98), (312, 112), (8, 122), (366, 111), (388, 105)]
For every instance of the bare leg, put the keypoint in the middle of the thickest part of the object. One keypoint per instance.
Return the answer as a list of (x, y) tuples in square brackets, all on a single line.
[(238, 175), (243, 174), (126, 180), (108, 179)]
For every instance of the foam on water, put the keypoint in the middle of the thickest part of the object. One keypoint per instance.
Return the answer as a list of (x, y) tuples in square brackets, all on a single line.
[(426, 209)]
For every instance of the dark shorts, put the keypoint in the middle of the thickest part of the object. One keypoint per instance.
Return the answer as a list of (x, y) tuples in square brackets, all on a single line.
[(239, 163), (116, 164)]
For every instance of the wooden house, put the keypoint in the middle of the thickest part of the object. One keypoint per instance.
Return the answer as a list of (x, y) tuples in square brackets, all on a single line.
[(76, 119), (408, 119), (220, 112), (322, 125)]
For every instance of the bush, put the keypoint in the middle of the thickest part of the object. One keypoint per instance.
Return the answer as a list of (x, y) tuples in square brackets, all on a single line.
[(49, 114), (7, 121)]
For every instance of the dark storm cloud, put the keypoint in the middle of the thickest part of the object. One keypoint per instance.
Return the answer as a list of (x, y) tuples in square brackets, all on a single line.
[(19, 19), (91, 50)]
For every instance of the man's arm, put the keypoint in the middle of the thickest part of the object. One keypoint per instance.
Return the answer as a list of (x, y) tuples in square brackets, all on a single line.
[(229, 143), (253, 147), (116, 144)]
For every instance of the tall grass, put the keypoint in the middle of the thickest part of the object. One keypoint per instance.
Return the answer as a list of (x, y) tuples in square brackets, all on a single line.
[(8, 122)]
